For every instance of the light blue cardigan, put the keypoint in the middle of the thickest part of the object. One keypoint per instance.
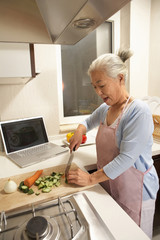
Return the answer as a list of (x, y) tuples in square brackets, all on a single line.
[(134, 140)]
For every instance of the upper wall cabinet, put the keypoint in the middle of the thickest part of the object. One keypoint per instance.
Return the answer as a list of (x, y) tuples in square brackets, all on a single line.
[(17, 64)]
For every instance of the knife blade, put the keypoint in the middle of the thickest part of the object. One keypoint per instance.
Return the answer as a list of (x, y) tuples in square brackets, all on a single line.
[(69, 163)]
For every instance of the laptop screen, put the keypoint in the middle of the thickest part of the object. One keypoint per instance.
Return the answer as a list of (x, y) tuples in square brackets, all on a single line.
[(22, 134)]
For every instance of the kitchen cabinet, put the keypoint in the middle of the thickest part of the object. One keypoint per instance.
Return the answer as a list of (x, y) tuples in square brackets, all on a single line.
[(17, 65), (156, 159)]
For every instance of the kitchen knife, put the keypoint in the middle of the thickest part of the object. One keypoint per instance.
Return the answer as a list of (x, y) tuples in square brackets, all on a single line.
[(69, 163)]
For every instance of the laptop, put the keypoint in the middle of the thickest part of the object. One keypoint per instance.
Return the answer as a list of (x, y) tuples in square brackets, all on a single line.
[(26, 142)]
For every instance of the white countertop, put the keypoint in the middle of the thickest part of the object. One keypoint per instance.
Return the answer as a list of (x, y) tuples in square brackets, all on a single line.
[(156, 148), (85, 156), (118, 222)]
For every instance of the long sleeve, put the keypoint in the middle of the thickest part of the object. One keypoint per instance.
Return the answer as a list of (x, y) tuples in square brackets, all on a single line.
[(96, 117)]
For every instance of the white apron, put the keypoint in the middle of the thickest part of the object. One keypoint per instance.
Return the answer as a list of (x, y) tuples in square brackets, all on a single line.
[(126, 189)]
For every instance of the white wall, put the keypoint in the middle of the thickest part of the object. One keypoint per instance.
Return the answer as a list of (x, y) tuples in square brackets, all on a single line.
[(154, 64), (125, 36), (141, 32), (37, 97), (139, 43)]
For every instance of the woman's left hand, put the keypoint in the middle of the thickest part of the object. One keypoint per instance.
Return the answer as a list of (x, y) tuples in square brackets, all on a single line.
[(79, 177)]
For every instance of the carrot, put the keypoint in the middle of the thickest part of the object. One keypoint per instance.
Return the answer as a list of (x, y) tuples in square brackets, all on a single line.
[(31, 180)]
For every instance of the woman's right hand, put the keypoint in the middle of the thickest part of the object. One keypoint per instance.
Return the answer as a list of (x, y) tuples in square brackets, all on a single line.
[(76, 139)]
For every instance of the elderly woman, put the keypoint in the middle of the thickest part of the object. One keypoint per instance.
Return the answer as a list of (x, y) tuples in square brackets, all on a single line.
[(124, 142)]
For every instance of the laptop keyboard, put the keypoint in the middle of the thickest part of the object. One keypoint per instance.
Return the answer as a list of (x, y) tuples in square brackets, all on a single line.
[(36, 154), (34, 150)]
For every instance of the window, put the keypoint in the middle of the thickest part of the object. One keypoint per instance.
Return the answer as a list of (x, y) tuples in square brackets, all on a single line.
[(78, 97)]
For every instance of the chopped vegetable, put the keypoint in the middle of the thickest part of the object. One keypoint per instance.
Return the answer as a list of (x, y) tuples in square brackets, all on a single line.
[(53, 174), (20, 185), (37, 193), (44, 183), (57, 184), (37, 182), (31, 180), (41, 185), (30, 191), (25, 189), (46, 190)]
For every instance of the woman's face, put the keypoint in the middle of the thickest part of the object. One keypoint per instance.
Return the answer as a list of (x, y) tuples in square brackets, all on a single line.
[(109, 89)]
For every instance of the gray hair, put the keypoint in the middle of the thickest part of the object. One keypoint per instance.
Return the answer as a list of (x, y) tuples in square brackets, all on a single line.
[(111, 64)]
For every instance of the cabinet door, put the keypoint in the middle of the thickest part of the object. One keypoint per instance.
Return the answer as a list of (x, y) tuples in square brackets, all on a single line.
[(157, 164), (157, 211), (16, 61)]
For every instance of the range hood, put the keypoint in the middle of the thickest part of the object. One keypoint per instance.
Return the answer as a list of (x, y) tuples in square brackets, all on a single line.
[(53, 21)]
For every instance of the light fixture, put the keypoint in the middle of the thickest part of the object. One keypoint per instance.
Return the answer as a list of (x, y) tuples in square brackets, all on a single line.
[(84, 23)]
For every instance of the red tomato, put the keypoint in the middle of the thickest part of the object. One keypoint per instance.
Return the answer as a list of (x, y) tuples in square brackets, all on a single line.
[(84, 139)]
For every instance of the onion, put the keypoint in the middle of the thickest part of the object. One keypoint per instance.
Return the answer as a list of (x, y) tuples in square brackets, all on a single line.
[(10, 186)]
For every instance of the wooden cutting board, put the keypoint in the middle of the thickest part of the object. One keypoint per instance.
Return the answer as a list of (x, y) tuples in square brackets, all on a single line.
[(19, 199)]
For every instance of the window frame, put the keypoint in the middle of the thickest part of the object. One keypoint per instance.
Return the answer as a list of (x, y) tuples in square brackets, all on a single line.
[(115, 19), (62, 119)]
